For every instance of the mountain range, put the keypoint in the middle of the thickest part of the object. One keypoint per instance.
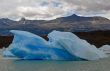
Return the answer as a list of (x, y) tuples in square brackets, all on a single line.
[(73, 23)]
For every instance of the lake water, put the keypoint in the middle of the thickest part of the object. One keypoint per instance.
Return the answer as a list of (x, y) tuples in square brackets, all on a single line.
[(33, 65)]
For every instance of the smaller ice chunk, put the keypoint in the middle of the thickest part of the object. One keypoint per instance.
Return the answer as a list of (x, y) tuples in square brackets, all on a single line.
[(75, 45), (7, 53), (105, 49)]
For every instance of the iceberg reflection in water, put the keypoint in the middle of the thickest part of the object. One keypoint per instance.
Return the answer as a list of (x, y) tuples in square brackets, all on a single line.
[(61, 46)]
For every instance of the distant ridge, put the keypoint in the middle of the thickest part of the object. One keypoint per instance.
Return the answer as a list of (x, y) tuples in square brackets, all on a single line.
[(73, 23)]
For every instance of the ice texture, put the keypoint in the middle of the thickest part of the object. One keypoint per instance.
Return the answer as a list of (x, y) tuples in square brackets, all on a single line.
[(25, 38), (75, 45), (43, 53)]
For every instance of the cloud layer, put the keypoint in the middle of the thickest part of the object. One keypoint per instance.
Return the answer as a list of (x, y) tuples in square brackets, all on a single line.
[(51, 9)]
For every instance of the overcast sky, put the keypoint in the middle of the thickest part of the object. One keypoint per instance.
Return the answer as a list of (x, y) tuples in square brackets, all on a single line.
[(51, 9)]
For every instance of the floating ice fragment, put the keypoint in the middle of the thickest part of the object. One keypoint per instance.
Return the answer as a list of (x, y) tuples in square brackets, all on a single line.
[(7, 53), (105, 49), (75, 45)]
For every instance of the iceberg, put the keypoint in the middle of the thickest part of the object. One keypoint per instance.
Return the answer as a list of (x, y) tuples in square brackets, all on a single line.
[(75, 45), (26, 45), (61, 46), (7, 53), (105, 49)]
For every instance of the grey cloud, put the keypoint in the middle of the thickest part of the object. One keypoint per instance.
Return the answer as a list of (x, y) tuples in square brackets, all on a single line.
[(51, 9)]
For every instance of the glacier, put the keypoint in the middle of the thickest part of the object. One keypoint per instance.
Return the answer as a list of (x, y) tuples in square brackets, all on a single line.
[(61, 46)]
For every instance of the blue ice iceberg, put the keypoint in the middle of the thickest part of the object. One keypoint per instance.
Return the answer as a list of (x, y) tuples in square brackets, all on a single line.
[(26, 45), (61, 46)]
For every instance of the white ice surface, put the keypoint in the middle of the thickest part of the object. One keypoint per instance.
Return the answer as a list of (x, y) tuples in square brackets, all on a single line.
[(105, 49), (75, 45)]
